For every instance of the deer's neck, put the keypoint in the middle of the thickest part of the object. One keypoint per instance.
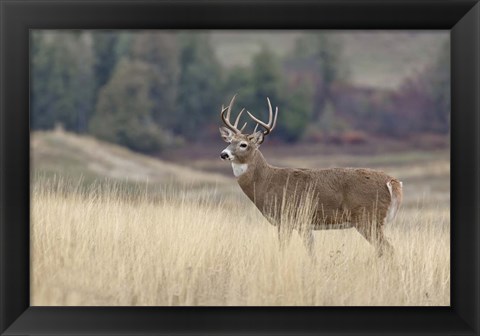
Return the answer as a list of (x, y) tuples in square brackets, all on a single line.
[(239, 168), (250, 176)]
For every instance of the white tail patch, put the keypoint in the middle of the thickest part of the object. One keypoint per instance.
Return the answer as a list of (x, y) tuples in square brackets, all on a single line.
[(393, 208)]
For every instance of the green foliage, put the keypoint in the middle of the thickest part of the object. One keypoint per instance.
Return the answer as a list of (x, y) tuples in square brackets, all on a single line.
[(124, 44), (318, 56), (172, 83), (199, 86), (62, 76), (124, 112), (323, 52), (296, 114), (104, 46), (161, 52), (240, 81), (267, 81), (264, 79), (267, 76)]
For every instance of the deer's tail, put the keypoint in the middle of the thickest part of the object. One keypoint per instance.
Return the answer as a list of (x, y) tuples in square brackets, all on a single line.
[(395, 187)]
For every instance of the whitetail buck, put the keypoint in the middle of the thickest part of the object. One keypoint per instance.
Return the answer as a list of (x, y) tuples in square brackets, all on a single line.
[(341, 197)]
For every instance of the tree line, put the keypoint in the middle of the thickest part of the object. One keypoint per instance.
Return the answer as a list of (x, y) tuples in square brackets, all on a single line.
[(150, 90)]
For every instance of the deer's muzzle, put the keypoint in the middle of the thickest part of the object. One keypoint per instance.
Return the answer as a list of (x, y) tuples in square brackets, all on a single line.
[(226, 155)]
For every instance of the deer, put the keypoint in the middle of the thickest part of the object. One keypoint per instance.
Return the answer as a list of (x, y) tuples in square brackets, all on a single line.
[(340, 198)]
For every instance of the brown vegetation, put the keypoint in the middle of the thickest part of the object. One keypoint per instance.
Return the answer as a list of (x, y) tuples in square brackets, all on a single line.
[(107, 242)]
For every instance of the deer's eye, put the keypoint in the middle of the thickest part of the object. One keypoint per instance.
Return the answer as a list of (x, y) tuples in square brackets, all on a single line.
[(243, 145)]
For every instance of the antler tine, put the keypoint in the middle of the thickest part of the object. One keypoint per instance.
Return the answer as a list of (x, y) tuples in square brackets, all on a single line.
[(226, 119), (271, 123), (243, 127), (255, 129), (274, 119), (222, 115), (230, 106), (222, 111), (261, 123), (270, 115), (238, 118), (269, 111)]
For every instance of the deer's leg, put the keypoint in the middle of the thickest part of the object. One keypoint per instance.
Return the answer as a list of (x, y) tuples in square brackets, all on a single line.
[(284, 235), (375, 236)]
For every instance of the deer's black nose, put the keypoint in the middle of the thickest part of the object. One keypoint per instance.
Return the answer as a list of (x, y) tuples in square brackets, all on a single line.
[(224, 155)]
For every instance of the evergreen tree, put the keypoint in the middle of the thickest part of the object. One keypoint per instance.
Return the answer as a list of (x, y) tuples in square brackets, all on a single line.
[(267, 81), (105, 46), (62, 77), (124, 112), (266, 77), (240, 81), (294, 99), (199, 87), (160, 50), (297, 111), (322, 53)]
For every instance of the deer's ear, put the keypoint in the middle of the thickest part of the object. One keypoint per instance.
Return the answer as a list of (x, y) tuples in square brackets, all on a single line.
[(257, 138), (226, 134)]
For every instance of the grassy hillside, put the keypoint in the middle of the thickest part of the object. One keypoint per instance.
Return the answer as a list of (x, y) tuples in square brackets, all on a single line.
[(375, 58), (70, 155)]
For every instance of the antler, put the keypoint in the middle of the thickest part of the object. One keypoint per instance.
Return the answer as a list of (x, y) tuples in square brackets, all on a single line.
[(226, 119), (271, 123)]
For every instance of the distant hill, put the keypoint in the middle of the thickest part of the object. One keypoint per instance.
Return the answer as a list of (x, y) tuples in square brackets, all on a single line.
[(375, 58), (68, 155)]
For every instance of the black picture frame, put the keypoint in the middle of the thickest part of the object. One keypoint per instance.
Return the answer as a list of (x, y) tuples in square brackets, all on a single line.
[(17, 17)]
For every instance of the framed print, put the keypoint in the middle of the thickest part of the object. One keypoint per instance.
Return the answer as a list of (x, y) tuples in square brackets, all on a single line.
[(118, 215)]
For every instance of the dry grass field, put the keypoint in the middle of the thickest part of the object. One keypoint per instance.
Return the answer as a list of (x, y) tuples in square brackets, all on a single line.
[(160, 239)]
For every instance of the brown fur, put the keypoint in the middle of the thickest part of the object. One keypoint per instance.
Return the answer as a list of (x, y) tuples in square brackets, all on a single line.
[(342, 197)]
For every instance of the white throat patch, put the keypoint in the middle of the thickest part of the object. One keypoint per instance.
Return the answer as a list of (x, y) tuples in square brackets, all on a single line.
[(239, 168)]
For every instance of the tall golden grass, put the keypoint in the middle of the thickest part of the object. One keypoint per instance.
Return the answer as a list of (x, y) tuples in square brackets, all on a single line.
[(111, 245)]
